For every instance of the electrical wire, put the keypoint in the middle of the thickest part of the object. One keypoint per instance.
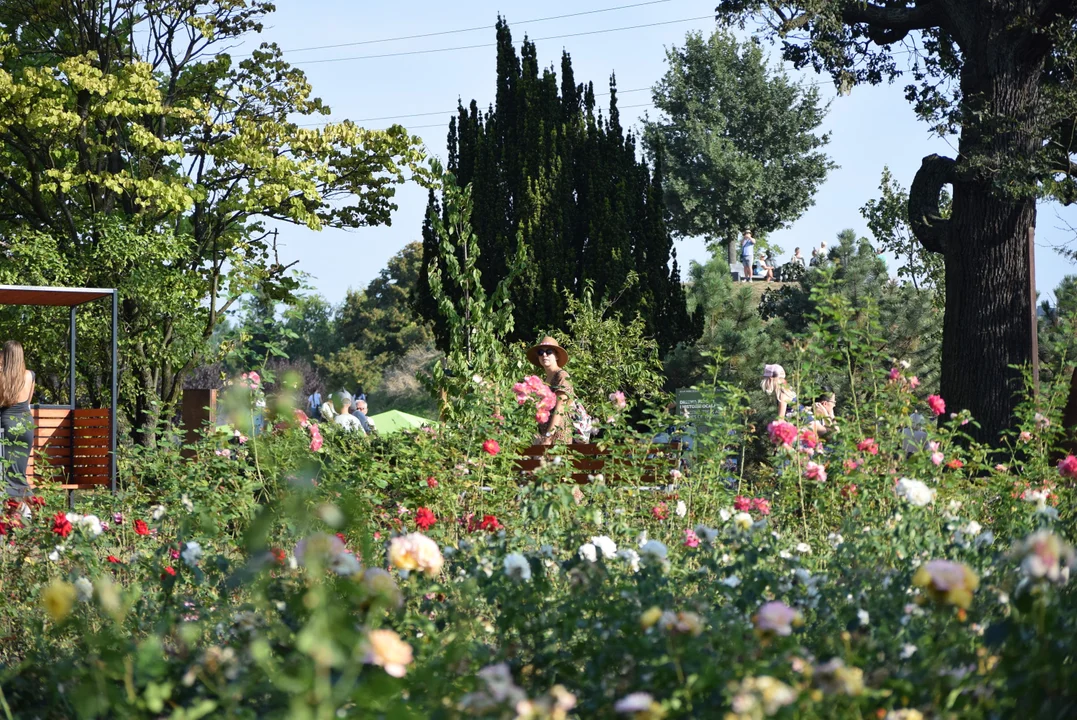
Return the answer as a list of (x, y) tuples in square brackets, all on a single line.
[(453, 111), (476, 28), (487, 45)]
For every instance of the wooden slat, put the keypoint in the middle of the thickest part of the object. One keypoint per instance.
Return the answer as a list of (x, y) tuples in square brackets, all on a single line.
[(54, 423), (84, 486), (92, 479), (103, 433), (92, 423), (91, 452), (92, 412), (42, 413)]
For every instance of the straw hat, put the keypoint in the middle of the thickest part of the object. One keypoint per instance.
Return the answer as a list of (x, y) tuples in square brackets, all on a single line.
[(548, 342)]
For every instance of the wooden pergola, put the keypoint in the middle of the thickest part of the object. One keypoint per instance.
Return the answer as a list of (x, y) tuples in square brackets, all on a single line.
[(78, 442)]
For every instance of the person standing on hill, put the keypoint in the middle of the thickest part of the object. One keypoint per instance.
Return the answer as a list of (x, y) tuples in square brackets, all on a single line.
[(747, 251), (17, 433)]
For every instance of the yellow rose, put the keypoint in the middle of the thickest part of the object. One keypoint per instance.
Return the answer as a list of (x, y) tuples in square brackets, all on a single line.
[(385, 649), (416, 552), (58, 599), (649, 618)]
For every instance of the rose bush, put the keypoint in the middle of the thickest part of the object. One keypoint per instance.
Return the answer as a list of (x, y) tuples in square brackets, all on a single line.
[(762, 571)]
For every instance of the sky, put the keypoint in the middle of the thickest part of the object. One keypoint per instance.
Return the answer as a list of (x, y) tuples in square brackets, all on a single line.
[(871, 128)]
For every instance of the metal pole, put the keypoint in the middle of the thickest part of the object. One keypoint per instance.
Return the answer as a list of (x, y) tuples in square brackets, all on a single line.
[(112, 415), (71, 363), (71, 402), (1035, 316)]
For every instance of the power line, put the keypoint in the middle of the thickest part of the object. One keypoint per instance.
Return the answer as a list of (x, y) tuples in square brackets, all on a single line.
[(446, 112), (445, 125), (477, 27), (487, 45)]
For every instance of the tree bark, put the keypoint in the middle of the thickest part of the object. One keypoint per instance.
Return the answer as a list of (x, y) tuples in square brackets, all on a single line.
[(988, 323), (989, 308)]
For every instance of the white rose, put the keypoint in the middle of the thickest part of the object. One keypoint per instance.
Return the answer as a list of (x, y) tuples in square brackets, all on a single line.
[(517, 567), (588, 552), (606, 545)]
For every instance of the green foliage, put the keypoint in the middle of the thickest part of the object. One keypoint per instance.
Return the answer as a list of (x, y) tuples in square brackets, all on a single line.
[(553, 178), (888, 220), (477, 324), (751, 588), (739, 139), (734, 334), (112, 144), (906, 323), (609, 354)]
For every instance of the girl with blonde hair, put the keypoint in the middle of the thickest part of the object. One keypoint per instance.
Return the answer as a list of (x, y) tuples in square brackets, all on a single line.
[(16, 423), (774, 383)]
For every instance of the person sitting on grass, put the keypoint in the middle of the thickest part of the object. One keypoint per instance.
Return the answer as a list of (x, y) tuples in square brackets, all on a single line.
[(767, 267)]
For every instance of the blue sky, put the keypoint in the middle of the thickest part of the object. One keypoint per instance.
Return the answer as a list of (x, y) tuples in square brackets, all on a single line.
[(871, 128)]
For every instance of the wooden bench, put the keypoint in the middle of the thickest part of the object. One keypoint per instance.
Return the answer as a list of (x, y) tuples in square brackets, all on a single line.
[(652, 462), (73, 443)]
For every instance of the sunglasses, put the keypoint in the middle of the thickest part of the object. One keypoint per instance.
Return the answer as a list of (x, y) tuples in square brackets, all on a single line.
[(542, 352)]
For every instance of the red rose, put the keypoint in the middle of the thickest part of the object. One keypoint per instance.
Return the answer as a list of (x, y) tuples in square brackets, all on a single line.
[(869, 446), (762, 505), (937, 404), (340, 536), (489, 523), (61, 525), (491, 447), (168, 571), (431, 482), (3, 528), (742, 504), (141, 528), (38, 501), (113, 559), (279, 555), (955, 464), (425, 518), (660, 511)]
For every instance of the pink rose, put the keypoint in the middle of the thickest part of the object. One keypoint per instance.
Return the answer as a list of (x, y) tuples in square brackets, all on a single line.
[(782, 433), (937, 404), (1067, 467), (815, 471)]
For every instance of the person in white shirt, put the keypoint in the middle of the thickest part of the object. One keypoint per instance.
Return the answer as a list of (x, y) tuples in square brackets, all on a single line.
[(340, 404)]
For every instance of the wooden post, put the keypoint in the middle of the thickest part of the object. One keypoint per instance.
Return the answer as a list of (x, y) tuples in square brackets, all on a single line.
[(1035, 316), (199, 409)]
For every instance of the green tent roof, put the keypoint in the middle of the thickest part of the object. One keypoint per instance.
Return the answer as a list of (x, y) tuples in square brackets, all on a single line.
[(393, 420)]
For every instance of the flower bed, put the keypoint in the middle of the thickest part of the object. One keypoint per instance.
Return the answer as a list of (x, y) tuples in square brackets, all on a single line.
[(308, 573)]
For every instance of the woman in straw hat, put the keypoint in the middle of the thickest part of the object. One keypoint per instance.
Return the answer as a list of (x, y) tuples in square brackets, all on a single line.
[(552, 358), (774, 383)]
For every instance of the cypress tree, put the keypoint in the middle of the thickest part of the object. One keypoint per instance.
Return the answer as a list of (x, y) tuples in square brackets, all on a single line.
[(551, 175)]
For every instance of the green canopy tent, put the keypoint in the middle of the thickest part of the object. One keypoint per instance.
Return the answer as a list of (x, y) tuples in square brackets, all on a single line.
[(393, 420)]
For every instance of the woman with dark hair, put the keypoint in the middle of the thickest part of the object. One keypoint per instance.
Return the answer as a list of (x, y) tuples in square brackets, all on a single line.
[(17, 435)]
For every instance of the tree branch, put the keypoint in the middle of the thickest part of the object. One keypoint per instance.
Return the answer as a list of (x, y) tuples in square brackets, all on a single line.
[(925, 217), (887, 25)]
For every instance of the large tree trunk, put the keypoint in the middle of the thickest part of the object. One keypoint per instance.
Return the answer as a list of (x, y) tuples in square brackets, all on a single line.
[(989, 307), (988, 323)]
